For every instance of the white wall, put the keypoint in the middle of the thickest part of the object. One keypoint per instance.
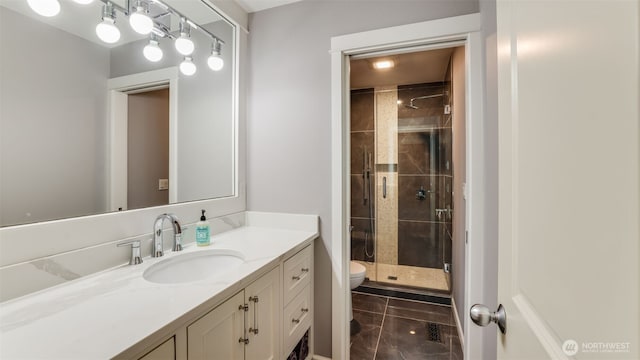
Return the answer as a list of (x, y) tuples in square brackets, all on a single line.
[(288, 106), (52, 118)]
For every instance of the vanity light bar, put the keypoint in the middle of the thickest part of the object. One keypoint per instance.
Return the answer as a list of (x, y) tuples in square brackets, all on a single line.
[(182, 16), (192, 24), (142, 23), (115, 6), (159, 28)]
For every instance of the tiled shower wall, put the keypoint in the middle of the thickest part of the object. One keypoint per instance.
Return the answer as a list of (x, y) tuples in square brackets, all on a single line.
[(362, 139), (424, 161)]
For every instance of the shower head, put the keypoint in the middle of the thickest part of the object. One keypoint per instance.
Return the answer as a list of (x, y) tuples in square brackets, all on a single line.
[(412, 106)]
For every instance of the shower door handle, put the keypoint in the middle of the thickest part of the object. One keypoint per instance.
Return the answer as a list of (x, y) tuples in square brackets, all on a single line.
[(384, 187), (364, 176)]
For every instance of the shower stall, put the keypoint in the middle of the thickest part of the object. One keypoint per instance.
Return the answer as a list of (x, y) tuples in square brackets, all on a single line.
[(401, 184)]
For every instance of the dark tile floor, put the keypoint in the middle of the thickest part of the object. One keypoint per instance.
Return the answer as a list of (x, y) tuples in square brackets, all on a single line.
[(394, 329)]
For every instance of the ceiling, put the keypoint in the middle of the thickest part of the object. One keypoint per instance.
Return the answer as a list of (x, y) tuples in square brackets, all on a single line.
[(81, 20), (409, 68), (258, 5)]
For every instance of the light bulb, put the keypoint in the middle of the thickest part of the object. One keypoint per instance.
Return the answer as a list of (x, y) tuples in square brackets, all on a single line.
[(383, 64), (184, 45), (140, 22), (152, 51), (107, 31), (46, 8), (187, 67), (83, 2), (215, 62)]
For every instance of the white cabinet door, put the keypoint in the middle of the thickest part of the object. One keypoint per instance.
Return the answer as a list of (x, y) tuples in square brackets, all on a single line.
[(263, 330), (568, 121), (217, 335)]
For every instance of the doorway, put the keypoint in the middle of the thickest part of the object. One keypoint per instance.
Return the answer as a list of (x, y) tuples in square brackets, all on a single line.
[(407, 175), (148, 149), (431, 35), (157, 184), (402, 143)]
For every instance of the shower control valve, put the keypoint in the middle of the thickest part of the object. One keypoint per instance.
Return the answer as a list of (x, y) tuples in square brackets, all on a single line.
[(421, 194)]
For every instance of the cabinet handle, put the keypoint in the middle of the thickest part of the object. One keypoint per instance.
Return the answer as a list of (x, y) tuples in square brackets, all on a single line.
[(254, 330), (303, 270), (243, 341), (303, 311)]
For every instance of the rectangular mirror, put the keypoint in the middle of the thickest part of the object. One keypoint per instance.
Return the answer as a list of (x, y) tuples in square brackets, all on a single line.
[(96, 117)]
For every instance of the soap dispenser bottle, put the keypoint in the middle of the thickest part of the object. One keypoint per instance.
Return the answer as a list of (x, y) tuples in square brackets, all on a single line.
[(203, 236)]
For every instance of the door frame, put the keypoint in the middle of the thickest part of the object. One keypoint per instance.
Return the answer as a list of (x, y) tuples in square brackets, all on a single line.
[(118, 90), (434, 34)]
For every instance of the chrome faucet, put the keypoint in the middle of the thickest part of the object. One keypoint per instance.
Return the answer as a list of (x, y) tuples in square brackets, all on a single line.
[(157, 234)]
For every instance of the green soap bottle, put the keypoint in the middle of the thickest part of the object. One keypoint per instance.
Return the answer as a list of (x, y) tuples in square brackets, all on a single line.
[(203, 235)]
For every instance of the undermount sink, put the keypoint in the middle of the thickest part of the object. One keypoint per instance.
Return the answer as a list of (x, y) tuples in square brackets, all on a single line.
[(193, 266)]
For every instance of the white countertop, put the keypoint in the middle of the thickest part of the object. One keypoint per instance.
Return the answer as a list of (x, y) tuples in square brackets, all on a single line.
[(102, 315)]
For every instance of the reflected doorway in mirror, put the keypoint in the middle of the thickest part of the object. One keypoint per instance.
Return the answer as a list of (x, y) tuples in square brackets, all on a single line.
[(120, 89)]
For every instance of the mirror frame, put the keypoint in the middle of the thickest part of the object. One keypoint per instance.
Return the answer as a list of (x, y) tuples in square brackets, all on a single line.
[(20, 243)]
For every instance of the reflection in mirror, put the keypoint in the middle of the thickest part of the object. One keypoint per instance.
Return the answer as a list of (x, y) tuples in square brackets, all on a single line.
[(108, 106)]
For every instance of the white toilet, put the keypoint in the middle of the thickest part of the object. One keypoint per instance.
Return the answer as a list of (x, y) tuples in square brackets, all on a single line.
[(357, 273)]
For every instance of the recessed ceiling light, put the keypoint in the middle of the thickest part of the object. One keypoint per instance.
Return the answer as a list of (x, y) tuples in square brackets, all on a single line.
[(383, 64)]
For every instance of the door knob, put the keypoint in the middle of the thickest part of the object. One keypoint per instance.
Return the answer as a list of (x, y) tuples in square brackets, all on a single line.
[(481, 315)]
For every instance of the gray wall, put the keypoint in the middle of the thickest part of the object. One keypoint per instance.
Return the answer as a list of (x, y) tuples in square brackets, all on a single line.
[(288, 106), (148, 148), (205, 129), (490, 287), (459, 178), (52, 121)]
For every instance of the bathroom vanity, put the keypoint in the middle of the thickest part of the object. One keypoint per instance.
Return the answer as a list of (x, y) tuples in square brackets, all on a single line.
[(258, 308)]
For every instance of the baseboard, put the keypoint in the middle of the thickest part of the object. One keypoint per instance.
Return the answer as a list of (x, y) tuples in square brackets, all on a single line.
[(318, 357), (458, 325)]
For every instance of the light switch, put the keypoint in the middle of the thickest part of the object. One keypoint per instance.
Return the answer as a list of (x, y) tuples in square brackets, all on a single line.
[(163, 184)]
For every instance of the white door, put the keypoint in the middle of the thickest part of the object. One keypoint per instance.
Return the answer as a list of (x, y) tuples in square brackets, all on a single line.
[(569, 154)]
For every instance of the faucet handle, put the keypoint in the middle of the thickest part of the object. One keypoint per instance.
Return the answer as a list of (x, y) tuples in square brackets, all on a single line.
[(136, 258), (177, 242)]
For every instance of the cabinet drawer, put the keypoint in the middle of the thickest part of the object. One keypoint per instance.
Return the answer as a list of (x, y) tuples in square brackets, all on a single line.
[(297, 273), (297, 318)]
